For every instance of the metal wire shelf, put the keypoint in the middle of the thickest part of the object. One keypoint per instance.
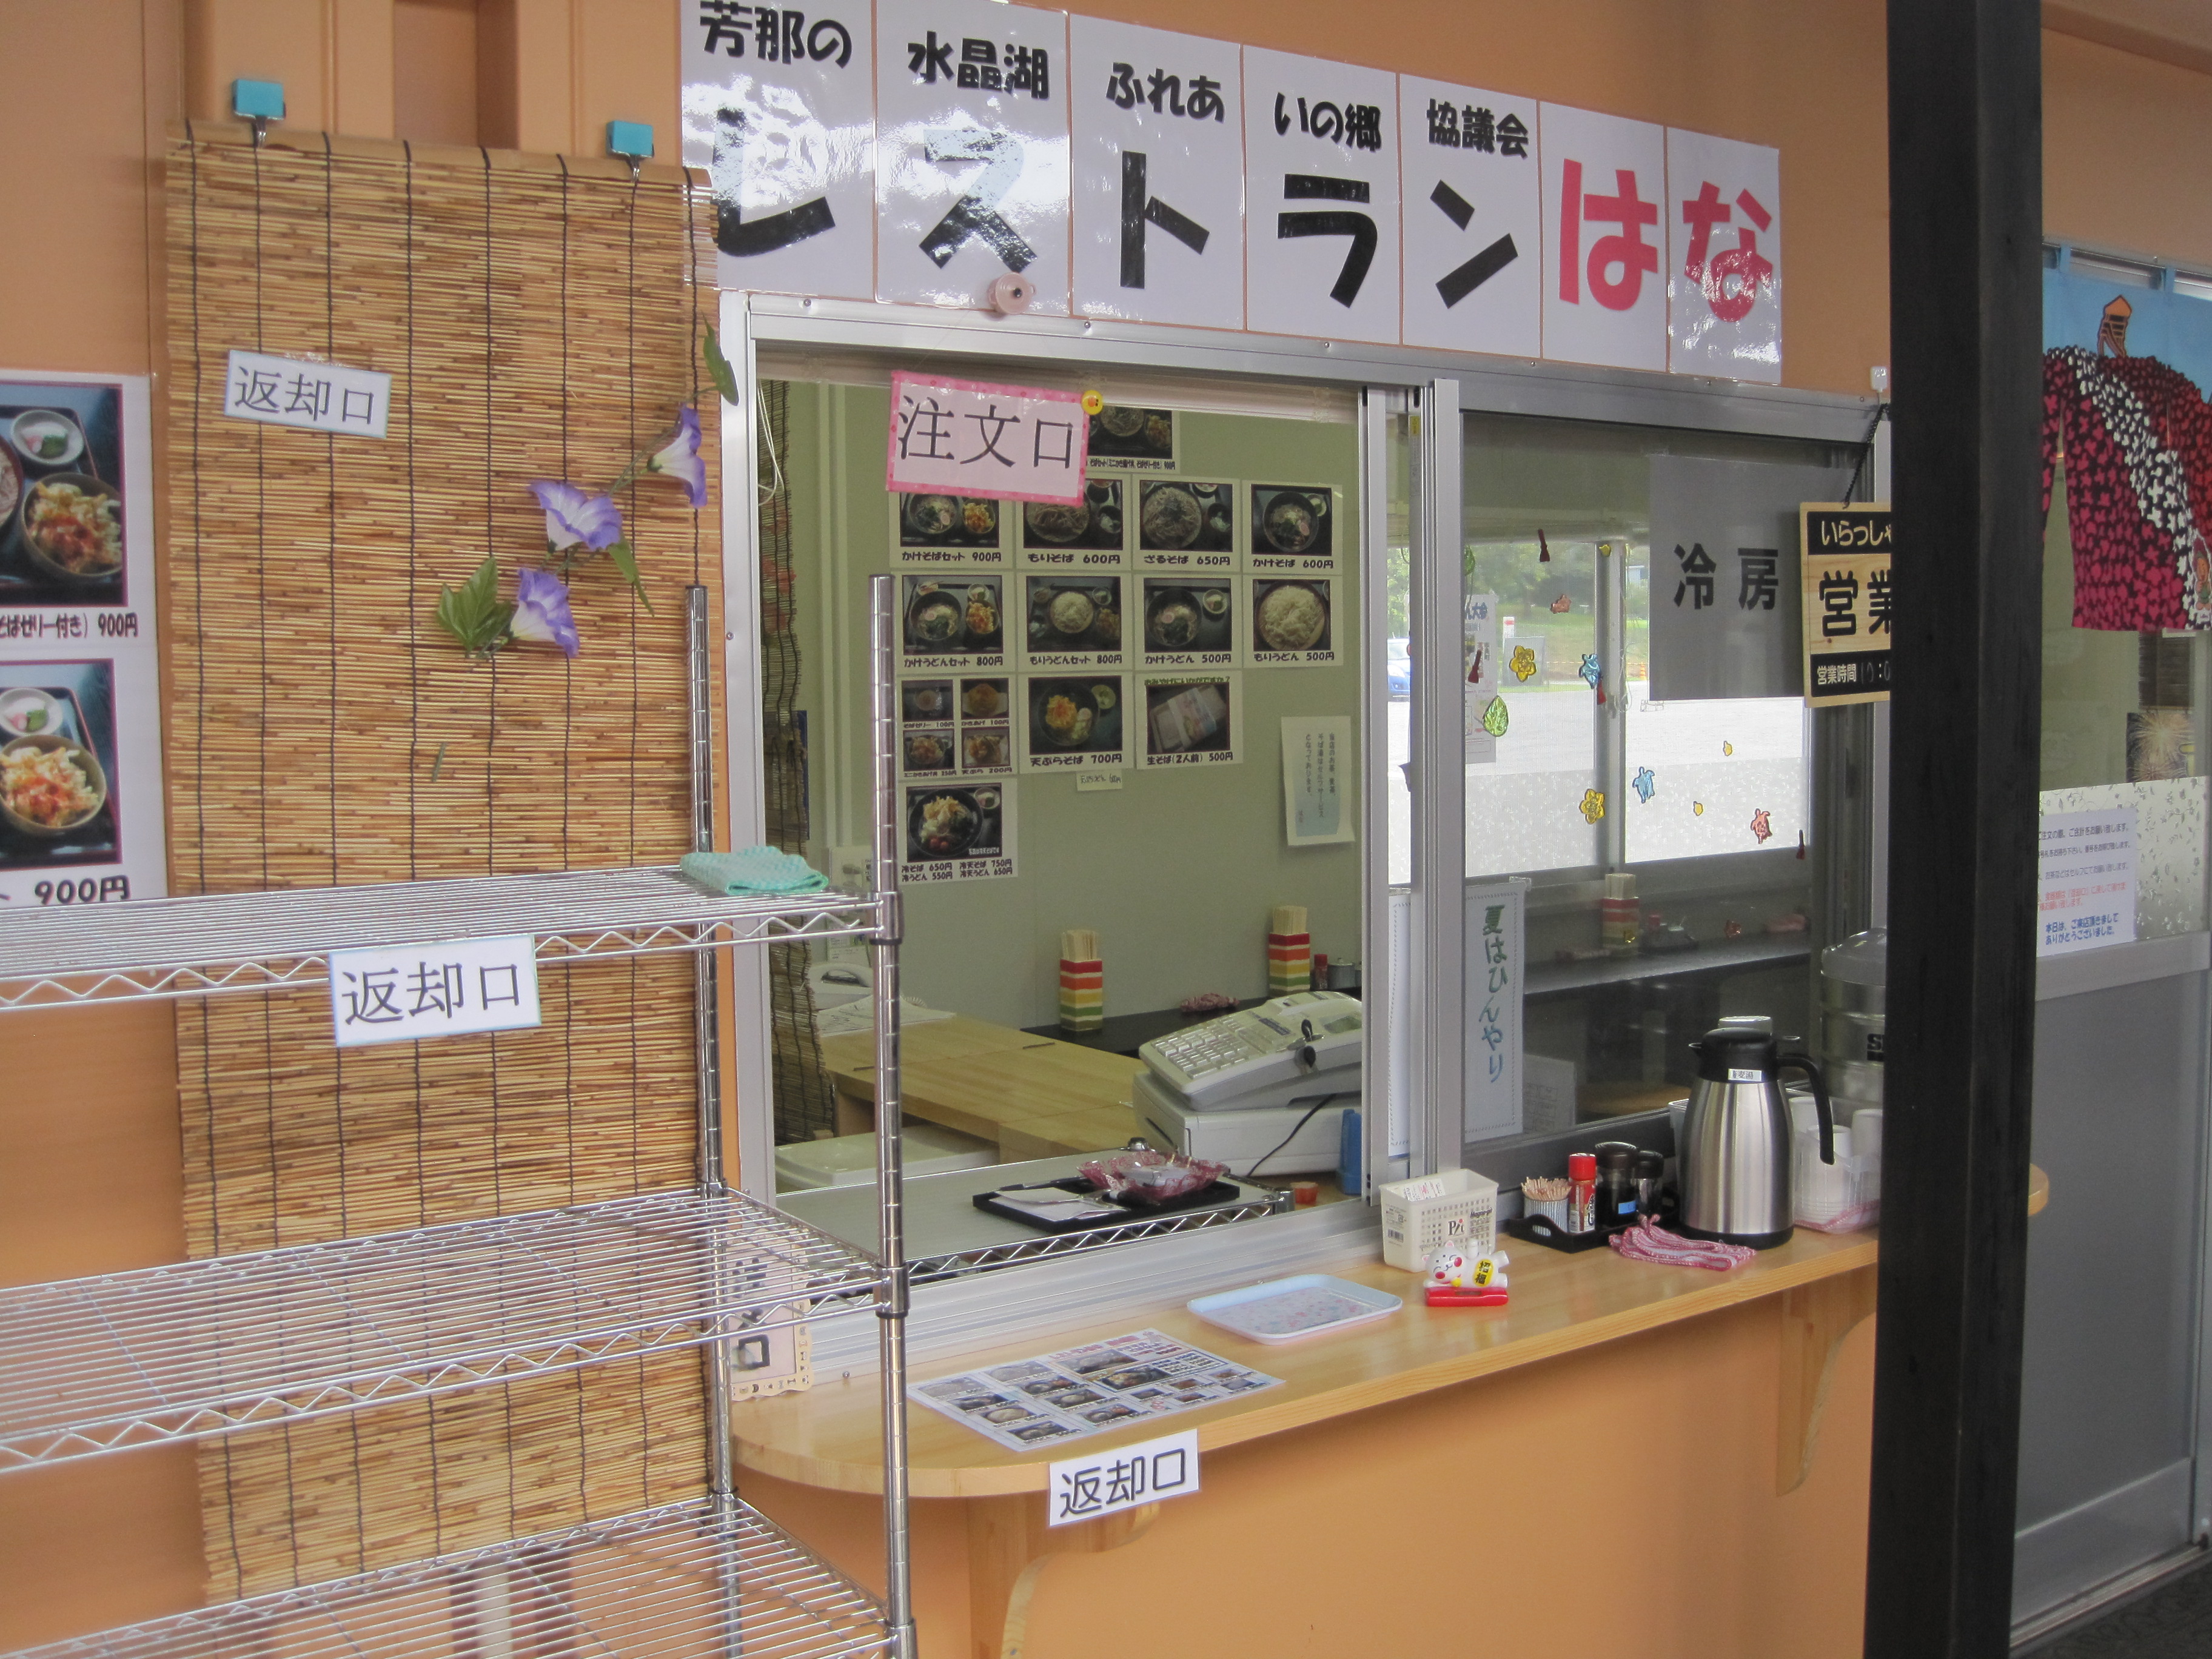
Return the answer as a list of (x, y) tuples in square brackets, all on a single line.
[(1022, 1251), (210, 1347), (688, 1581), (242, 942)]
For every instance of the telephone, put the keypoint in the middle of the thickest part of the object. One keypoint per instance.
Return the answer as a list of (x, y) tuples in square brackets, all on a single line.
[(1263, 1056)]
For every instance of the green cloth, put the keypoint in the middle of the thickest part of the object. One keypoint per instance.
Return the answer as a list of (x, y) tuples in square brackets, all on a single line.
[(754, 872)]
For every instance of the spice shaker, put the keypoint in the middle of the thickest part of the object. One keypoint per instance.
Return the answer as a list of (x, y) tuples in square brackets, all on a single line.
[(1616, 1184), (1581, 1191), (1650, 1171)]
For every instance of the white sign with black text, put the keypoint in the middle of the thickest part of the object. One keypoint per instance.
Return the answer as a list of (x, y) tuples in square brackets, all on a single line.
[(1474, 230), (971, 135), (2085, 889), (1317, 761), (1105, 1483), (451, 989), (1159, 175), (1723, 257), (780, 108), (1604, 181), (1321, 198), (318, 397)]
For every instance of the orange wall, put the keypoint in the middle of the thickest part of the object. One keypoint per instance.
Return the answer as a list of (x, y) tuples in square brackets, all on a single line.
[(2125, 141)]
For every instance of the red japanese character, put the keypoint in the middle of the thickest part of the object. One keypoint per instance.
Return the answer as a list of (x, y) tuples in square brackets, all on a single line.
[(1627, 250), (1730, 280)]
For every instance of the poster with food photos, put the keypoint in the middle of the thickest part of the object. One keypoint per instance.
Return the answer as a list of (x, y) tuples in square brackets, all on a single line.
[(927, 731), (1127, 438), (1193, 720), (1085, 535), (958, 832), (985, 704), (956, 725), (1292, 624), (958, 532), (80, 798), (1073, 622), (1186, 525), (1293, 529), (1189, 622), (1075, 722), (953, 623)]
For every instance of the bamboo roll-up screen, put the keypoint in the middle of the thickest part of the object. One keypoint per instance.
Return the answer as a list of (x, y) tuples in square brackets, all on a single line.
[(539, 320)]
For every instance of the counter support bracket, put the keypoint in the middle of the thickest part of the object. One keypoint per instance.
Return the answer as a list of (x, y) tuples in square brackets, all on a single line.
[(1009, 1542), (1815, 1320)]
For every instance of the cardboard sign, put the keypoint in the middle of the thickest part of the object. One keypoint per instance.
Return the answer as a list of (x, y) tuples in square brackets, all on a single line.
[(1159, 175), (780, 108), (970, 438), (1474, 229), (1845, 553), (1605, 183), (1723, 257), (447, 989)]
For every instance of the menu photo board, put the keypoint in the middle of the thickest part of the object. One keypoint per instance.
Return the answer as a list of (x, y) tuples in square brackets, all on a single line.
[(80, 804), (1845, 553)]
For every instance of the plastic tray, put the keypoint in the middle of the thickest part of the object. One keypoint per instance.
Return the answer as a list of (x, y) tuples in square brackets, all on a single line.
[(1288, 1309), (1221, 1192)]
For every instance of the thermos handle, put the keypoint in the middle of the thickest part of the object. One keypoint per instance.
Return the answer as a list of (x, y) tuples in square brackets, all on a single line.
[(1804, 1063)]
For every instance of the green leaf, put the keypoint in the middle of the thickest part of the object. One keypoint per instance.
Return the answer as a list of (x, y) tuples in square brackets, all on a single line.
[(473, 614), (718, 367), (626, 561)]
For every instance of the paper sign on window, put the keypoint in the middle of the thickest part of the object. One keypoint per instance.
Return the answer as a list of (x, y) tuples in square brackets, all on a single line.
[(971, 438), (1473, 237), (447, 989), (1724, 257), (1605, 185)]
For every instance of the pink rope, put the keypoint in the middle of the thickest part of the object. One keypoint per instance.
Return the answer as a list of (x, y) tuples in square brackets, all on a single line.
[(1647, 1241)]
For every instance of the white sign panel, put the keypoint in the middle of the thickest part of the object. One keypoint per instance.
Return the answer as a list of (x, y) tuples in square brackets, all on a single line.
[(971, 171), (81, 797), (1605, 182), (1105, 1483), (1723, 257), (448, 989), (779, 107), (971, 438), (1317, 802), (2084, 889), (1495, 975), (1474, 226), (1321, 198), (1159, 175), (315, 395)]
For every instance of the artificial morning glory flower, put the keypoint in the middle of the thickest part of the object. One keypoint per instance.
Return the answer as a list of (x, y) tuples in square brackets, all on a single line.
[(680, 458), (541, 611), (573, 518)]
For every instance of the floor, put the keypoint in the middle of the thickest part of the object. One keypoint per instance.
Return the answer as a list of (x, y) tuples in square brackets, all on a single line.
[(2173, 1622)]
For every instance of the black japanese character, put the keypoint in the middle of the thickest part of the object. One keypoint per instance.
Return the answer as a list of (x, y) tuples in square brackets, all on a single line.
[(829, 36), (1513, 137), (437, 989), (1363, 126), (1443, 124), (1697, 579), (927, 422), (775, 34), (1122, 87), (1839, 603), (1455, 285), (1160, 85), (1080, 1493), (977, 213), (1204, 104), (1327, 120), (1064, 456), (725, 21), (1480, 131), (929, 58), (1140, 208), (979, 66), (256, 390), (1029, 69), (1757, 588), (1877, 597), (357, 406), (1283, 116), (486, 977), (735, 235), (990, 428), (1359, 227), (372, 999), (1126, 1480), (311, 398)]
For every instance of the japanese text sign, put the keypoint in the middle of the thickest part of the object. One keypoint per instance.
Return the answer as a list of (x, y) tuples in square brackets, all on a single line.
[(1159, 170), (447, 989), (970, 438), (319, 396), (971, 174), (1495, 915), (1605, 184), (1473, 233), (2085, 890), (1321, 198), (779, 107), (1317, 761), (1084, 1488), (1846, 554), (1723, 257)]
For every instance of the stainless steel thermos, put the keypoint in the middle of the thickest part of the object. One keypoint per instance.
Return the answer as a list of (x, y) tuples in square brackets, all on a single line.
[(1735, 1161)]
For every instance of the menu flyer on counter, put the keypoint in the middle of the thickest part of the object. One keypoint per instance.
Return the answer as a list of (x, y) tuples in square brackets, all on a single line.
[(1080, 1391), (81, 807)]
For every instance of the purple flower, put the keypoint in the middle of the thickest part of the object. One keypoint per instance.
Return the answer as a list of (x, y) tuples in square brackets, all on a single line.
[(541, 611), (680, 458), (573, 517)]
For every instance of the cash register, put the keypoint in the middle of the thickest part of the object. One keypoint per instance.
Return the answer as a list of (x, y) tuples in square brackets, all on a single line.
[(1262, 1090)]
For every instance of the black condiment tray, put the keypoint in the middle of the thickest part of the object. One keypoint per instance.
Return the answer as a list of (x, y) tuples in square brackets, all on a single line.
[(1221, 1192), (1543, 1230)]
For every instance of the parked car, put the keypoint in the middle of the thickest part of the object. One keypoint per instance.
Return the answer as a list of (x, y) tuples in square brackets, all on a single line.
[(1398, 666)]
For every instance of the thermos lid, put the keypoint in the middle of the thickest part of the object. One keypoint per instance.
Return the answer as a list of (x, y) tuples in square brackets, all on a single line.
[(1724, 1053)]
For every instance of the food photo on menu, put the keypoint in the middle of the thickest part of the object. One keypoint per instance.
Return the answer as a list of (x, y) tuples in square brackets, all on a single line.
[(1190, 620), (1292, 521), (1190, 720), (954, 831), (1093, 524), (966, 522), (1140, 439), (1078, 617), (61, 495), (1074, 720), (58, 763), (1291, 621), (948, 619), (987, 751), (1179, 516)]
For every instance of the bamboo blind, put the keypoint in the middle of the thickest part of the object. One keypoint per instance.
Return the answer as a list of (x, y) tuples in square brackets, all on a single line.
[(538, 319)]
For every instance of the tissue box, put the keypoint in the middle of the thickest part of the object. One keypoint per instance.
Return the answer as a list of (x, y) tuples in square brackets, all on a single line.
[(1453, 1206)]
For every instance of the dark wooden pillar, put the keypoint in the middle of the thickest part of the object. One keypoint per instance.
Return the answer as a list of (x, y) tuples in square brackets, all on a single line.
[(1966, 308)]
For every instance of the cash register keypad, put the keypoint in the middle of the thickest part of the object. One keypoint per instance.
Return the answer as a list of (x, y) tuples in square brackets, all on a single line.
[(1196, 1054)]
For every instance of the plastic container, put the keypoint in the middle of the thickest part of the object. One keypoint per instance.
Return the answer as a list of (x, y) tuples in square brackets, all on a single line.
[(1853, 1022), (1288, 1309), (850, 1160), (1452, 1207)]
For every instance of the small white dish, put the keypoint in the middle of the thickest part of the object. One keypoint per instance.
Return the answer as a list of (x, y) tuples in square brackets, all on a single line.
[(1289, 1310), (34, 428), (26, 711)]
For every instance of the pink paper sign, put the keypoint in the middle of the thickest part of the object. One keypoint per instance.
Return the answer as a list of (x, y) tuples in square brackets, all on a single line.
[(1015, 443)]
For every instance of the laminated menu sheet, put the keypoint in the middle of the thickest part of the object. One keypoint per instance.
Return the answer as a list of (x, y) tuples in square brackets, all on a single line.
[(1080, 1391)]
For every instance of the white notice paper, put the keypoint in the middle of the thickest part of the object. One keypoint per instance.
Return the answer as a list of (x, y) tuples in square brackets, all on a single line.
[(1084, 1487), (1018, 443), (1604, 297), (1317, 806), (1475, 235), (1159, 175), (2084, 889), (1723, 257), (451, 989), (971, 165), (780, 108), (319, 396), (1321, 198)]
